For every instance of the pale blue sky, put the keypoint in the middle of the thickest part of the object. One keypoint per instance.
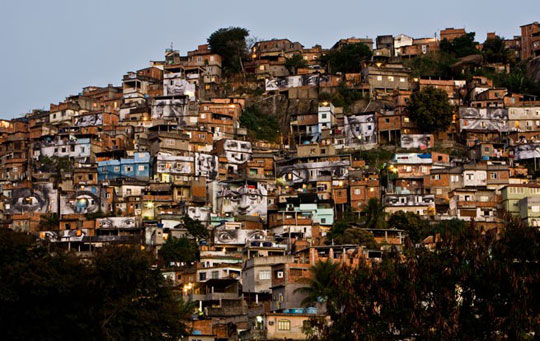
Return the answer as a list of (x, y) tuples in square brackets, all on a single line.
[(51, 49)]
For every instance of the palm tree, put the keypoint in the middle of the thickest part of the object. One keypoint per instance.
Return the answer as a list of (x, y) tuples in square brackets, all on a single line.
[(374, 215), (320, 284)]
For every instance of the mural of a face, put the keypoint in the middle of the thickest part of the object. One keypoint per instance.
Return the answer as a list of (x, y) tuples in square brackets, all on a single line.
[(41, 198), (491, 119), (89, 120), (174, 85), (199, 213), (168, 109), (238, 237), (421, 141), (206, 165), (237, 151), (527, 151), (409, 200), (81, 202), (116, 223), (174, 164), (243, 200), (313, 171), (360, 129)]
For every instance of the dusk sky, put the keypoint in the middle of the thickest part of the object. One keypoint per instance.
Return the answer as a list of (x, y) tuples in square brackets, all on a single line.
[(52, 49)]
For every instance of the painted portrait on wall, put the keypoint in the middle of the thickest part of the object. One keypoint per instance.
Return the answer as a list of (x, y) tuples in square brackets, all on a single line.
[(416, 141), (237, 152), (487, 119), (116, 223), (169, 109), (237, 237), (200, 213), (360, 129), (80, 202), (245, 200), (40, 198), (313, 171), (206, 165), (174, 164)]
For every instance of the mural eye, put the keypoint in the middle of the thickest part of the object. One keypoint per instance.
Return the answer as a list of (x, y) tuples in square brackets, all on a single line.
[(224, 236), (86, 202), (255, 235), (253, 196)]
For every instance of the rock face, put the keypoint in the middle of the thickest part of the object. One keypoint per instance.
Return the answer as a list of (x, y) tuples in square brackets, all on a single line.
[(533, 69)]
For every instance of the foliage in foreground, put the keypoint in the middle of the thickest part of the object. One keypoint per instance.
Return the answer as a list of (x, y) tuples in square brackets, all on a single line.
[(56, 296), (471, 286)]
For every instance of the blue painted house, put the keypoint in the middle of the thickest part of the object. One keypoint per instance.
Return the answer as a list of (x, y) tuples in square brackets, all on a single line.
[(137, 167)]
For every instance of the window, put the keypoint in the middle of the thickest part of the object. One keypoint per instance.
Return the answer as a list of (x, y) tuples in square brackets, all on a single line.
[(379, 78), (484, 198), (406, 119), (454, 178), (535, 209), (264, 274), (169, 142), (252, 171), (215, 274), (402, 79), (202, 276), (323, 115), (493, 175), (436, 177), (141, 168), (438, 191), (284, 325), (129, 169), (323, 220), (357, 191), (279, 274), (203, 115), (391, 78), (117, 169)]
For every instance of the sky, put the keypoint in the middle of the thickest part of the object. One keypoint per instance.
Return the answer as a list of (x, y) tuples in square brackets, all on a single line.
[(52, 49)]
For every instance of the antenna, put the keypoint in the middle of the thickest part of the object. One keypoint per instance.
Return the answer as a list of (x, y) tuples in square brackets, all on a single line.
[(171, 45)]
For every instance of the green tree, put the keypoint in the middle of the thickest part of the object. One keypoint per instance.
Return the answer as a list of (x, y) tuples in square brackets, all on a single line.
[(460, 47), (319, 285), (295, 62), (260, 126), (357, 236), (347, 59), (495, 51), (472, 284), (430, 110), (416, 227), (230, 44), (179, 250), (57, 296), (195, 228), (374, 215)]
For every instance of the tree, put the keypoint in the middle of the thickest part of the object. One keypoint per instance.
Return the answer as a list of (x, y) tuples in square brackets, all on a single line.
[(230, 44), (495, 51), (319, 284), (430, 110), (195, 228), (295, 62), (49, 222), (471, 284), (357, 236), (416, 228), (114, 296), (179, 250), (347, 59), (260, 126), (460, 47), (373, 215)]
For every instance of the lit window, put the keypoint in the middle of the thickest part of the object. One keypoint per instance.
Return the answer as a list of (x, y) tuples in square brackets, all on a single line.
[(284, 325)]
